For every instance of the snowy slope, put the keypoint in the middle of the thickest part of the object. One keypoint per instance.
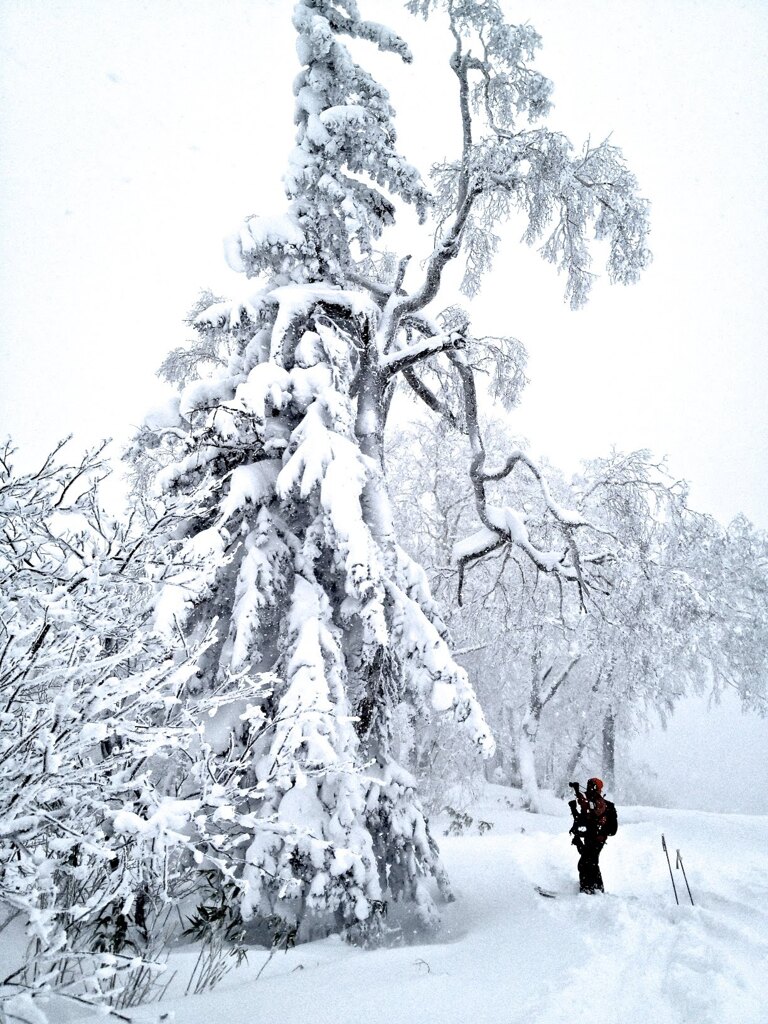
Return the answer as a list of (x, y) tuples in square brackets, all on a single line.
[(507, 955)]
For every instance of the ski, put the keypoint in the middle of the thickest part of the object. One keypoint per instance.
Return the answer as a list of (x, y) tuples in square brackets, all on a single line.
[(545, 892), (548, 894)]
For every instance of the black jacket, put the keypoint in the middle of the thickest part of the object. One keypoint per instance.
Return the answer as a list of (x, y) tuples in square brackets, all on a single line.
[(593, 820)]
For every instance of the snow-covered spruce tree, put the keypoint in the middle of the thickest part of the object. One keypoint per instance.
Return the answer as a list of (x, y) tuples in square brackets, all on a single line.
[(279, 447)]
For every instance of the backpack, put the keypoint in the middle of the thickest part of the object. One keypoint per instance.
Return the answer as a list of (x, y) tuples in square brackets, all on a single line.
[(611, 820)]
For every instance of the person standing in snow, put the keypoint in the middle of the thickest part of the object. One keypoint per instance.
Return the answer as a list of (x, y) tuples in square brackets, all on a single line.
[(594, 820)]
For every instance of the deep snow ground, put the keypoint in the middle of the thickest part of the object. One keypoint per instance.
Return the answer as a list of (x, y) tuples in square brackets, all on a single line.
[(508, 956)]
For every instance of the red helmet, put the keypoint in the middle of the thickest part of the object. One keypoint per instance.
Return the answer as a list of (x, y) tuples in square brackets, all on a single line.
[(595, 783)]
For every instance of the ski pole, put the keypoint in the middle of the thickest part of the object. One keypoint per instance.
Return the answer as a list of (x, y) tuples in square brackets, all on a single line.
[(674, 887), (679, 864)]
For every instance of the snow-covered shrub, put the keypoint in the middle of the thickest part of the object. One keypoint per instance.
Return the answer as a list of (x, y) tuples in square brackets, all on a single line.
[(114, 819), (89, 730)]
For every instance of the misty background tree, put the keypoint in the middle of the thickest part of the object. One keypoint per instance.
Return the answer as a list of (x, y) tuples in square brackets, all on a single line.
[(679, 609)]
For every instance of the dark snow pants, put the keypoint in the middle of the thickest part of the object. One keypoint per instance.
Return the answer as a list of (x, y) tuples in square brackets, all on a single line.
[(590, 878)]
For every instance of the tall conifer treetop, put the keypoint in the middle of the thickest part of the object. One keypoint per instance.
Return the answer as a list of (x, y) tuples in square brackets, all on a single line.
[(345, 147)]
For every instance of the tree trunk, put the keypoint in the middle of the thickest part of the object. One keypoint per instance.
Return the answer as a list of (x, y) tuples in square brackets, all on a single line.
[(585, 736), (609, 749), (509, 756), (573, 763), (527, 757), (369, 430)]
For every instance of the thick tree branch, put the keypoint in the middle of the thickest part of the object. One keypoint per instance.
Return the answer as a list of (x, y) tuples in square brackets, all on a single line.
[(404, 358), (445, 251), (505, 524), (555, 686), (429, 398), (466, 562), (564, 516), (381, 292), (378, 290), (460, 66)]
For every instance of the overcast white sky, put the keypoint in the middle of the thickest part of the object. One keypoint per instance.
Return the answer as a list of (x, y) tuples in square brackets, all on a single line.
[(134, 135)]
